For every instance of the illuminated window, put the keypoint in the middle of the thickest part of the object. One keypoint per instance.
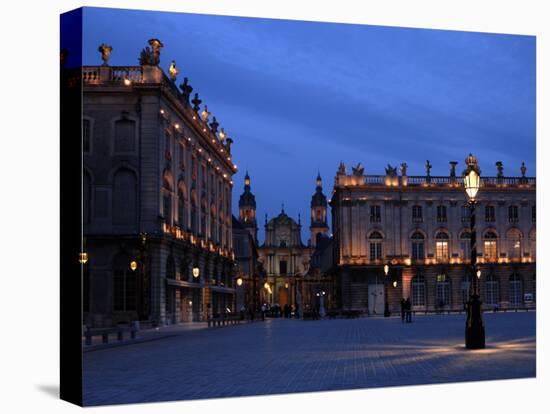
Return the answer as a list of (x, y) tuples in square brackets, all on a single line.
[(490, 246), (375, 246), (465, 244), (514, 243), (441, 246)]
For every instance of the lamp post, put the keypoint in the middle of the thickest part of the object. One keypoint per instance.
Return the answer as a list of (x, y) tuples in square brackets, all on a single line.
[(475, 330), (386, 304)]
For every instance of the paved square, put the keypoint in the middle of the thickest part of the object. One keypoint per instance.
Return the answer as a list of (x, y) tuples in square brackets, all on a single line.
[(284, 356)]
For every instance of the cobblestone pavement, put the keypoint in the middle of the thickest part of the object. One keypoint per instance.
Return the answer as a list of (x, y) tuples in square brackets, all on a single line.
[(284, 356)]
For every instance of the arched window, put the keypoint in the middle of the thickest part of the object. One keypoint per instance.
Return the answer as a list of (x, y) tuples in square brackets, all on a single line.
[(194, 228), (375, 246), (442, 290), (87, 196), (418, 290), (491, 290), (417, 246), (124, 197), (514, 237), (465, 240), (490, 246), (515, 290), (203, 217), (124, 284), (441, 246), (125, 136), (167, 183)]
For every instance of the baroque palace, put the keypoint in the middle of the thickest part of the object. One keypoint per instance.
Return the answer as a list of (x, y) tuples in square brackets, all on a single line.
[(157, 186), (419, 227)]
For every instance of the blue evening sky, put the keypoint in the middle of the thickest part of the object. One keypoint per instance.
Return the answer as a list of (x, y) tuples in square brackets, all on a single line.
[(299, 97)]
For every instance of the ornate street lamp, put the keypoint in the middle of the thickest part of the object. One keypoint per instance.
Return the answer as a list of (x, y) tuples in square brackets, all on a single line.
[(386, 304), (239, 281), (475, 330)]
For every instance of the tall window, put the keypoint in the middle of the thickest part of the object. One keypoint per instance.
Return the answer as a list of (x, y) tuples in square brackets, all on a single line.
[(464, 213), (182, 157), (168, 146), (124, 197), (534, 214), (465, 287), (465, 245), (442, 290), (417, 246), (124, 284), (491, 290), (418, 289), (375, 246), (125, 136), (513, 214), (282, 267), (515, 290), (170, 267), (514, 243), (194, 212), (417, 214), (441, 214), (86, 132), (87, 196), (375, 214), (490, 246), (182, 213), (441, 246), (490, 214), (534, 287)]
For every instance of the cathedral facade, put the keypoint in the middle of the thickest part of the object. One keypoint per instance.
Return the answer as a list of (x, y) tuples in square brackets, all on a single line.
[(398, 236)]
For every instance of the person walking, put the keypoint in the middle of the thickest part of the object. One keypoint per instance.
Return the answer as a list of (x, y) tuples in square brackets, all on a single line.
[(403, 305), (408, 309), (263, 312)]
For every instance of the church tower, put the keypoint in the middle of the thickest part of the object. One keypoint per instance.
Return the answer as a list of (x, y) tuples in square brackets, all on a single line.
[(318, 213), (247, 209)]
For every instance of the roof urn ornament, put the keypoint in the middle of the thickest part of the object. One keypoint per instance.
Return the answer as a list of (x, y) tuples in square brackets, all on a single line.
[(196, 103), (186, 90), (391, 171), (221, 135), (403, 168), (453, 165), (150, 56), (500, 169), (105, 51), (173, 71)]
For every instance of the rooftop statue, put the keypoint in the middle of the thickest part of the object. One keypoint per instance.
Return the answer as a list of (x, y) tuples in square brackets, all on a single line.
[(358, 170), (428, 167), (186, 90), (151, 56), (173, 71), (391, 171), (214, 125), (403, 168), (342, 168), (523, 169), (196, 103), (105, 51)]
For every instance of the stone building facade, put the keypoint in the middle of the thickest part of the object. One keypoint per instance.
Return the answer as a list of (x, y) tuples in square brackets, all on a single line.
[(157, 185), (419, 227)]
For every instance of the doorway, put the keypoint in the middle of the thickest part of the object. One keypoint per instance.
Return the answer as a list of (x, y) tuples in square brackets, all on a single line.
[(376, 299)]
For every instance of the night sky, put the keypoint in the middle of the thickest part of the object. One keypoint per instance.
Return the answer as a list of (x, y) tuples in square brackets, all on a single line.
[(299, 97)]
